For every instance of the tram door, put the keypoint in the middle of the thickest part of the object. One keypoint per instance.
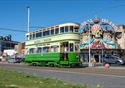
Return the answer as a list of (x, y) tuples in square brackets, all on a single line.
[(64, 50)]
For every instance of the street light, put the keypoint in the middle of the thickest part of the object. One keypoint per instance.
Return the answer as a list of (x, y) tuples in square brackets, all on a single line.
[(90, 64), (28, 8)]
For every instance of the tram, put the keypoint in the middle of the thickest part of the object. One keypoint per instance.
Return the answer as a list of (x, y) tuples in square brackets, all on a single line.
[(53, 46)]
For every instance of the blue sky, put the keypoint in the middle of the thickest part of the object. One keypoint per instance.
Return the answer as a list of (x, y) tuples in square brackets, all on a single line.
[(13, 13)]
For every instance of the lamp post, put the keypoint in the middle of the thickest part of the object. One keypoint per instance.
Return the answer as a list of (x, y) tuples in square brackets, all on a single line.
[(28, 8), (28, 24), (90, 64)]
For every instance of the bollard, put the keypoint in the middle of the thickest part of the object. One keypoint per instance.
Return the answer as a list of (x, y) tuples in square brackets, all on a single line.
[(107, 66)]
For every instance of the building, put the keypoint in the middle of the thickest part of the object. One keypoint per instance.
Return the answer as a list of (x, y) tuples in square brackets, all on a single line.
[(101, 37), (120, 34), (6, 43), (20, 48)]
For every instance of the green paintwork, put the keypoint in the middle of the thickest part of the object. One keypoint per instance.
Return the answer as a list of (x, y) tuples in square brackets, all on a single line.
[(52, 58), (43, 57)]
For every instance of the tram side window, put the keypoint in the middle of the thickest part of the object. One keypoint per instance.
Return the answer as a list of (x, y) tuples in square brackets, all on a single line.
[(54, 48), (52, 32), (38, 34), (33, 35), (27, 37), (46, 49), (71, 46), (57, 31), (66, 28), (46, 32), (76, 46), (39, 50), (30, 36), (76, 28), (32, 50), (71, 28), (61, 29)]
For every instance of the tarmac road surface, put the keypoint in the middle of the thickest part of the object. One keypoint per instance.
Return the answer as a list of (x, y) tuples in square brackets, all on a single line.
[(107, 81)]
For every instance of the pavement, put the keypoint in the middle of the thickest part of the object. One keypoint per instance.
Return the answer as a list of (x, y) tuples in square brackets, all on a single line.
[(112, 70), (108, 78)]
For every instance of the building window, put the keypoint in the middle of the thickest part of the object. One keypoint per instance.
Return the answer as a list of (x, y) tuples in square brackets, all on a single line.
[(57, 31), (118, 35), (61, 29), (71, 28), (66, 28)]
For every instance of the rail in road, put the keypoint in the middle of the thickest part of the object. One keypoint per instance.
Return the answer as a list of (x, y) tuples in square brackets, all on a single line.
[(108, 81)]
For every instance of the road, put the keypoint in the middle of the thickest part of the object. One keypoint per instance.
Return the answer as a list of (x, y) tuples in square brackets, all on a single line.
[(107, 81)]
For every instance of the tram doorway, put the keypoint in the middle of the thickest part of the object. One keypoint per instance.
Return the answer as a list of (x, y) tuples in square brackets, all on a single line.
[(64, 47), (64, 50)]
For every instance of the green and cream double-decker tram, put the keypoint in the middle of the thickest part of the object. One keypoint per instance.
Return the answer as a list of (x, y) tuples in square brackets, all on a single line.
[(54, 46)]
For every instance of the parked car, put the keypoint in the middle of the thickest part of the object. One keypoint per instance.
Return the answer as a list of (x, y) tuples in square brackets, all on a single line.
[(113, 59), (19, 60)]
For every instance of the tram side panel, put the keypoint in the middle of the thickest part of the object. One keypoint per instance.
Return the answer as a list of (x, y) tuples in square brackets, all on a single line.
[(43, 59), (53, 59)]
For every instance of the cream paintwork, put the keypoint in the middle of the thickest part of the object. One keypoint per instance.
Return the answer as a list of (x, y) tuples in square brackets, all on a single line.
[(54, 38)]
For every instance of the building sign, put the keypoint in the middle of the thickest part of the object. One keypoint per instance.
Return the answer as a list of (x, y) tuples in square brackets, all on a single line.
[(98, 33)]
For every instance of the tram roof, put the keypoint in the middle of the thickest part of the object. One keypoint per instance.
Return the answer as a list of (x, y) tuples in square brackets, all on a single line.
[(58, 25)]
